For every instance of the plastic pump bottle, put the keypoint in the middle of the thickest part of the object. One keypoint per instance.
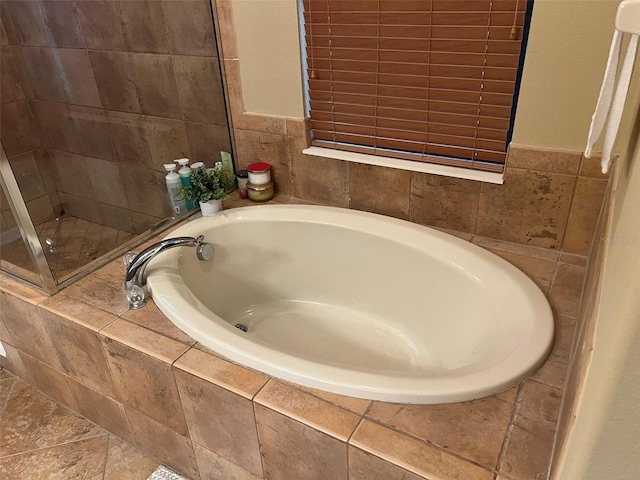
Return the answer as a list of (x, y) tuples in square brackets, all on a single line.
[(174, 186), (185, 179)]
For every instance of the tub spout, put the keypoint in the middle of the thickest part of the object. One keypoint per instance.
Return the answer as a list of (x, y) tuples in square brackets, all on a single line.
[(136, 264)]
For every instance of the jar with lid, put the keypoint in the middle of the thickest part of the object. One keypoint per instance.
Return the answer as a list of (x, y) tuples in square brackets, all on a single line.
[(260, 193), (259, 173)]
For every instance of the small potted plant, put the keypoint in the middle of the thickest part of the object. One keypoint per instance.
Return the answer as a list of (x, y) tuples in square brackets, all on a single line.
[(208, 188)]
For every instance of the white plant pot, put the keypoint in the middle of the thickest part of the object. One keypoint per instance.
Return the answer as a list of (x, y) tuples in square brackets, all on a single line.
[(211, 207)]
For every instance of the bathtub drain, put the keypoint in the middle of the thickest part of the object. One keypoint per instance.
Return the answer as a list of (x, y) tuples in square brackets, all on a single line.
[(242, 327)]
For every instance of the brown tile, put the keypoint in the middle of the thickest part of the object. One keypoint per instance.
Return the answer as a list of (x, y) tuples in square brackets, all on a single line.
[(23, 23), (380, 190), (49, 381), (101, 410), (21, 290), (81, 459), (55, 126), (564, 331), (10, 77), (566, 290), (80, 84), (539, 270), (80, 207), (218, 371), (167, 140), (364, 466), (145, 341), (103, 289), (26, 329), (62, 24), (319, 179), (146, 384), (71, 174), (129, 138), (116, 217), (226, 32), (546, 160), (80, 353), (293, 450), (200, 87), (92, 127), (444, 201), (6, 384), (233, 82), (159, 441), (152, 318), (578, 260), (206, 141), (528, 449), (125, 462), (356, 405), (77, 311), (252, 146), (479, 427), (260, 122), (553, 371), (297, 127), (583, 217), (220, 421), (106, 181), (212, 465), (310, 410), (144, 189), (15, 129), (114, 79), (417, 457), (100, 22), (144, 26), (592, 167), (27, 407), (517, 248), (27, 174), (530, 207), (156, 84), (13, 363), (190, 27), (40, 210)]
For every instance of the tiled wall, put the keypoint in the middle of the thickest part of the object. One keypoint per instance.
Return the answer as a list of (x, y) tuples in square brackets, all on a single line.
[(112, 90)]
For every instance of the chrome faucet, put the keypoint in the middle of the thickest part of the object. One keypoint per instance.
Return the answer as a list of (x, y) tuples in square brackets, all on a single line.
[(136, 264)]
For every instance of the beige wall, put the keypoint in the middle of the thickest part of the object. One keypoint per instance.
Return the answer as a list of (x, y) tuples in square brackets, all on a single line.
[(567, 53)]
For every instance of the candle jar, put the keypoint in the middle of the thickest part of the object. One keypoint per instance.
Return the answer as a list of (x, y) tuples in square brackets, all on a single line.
[(260, 193), (259, 173)]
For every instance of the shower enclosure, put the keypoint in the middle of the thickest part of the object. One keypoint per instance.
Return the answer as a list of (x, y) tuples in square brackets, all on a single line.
[(95, 97)]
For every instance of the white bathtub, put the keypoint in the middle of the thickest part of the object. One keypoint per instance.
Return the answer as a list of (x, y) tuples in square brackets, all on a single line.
[(355, 303)]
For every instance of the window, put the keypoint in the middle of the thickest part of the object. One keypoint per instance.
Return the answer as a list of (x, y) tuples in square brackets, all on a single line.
[(424, 80)]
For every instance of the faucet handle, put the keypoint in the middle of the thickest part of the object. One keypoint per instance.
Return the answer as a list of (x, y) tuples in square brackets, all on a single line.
[(127, 258), (135, 295)]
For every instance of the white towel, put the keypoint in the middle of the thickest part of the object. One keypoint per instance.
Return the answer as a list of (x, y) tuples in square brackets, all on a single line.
[(609, 107)]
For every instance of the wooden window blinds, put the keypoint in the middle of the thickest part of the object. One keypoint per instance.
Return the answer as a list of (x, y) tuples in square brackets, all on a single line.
[(425, 80)]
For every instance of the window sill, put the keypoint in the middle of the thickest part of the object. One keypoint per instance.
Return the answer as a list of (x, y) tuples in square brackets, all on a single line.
[(432, 168)]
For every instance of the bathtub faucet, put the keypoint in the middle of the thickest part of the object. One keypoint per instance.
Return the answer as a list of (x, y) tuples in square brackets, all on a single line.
[(136, 264)]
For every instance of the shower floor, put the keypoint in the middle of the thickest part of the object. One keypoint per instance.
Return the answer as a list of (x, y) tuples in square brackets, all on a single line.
[(68, 242)]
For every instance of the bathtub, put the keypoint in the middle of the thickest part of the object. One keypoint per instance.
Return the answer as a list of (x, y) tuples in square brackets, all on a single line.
[(355, 303)]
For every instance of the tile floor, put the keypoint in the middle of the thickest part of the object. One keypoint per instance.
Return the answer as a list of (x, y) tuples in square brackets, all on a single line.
[(42, 440)]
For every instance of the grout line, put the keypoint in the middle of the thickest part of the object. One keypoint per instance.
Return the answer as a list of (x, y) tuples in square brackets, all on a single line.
[(507, 437), (48, 447)]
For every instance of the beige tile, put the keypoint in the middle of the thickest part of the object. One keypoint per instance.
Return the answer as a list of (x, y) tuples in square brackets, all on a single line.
[(125, 462), (517, 248), (530, 207), (364, 466), (159, 441), (380, 190), (114, 79), (212, 466), (310, 410), (49, 381), (167, 140), (444, 201), (144, 27), (259, 122), (26, 329), (417, 457), (220, 421), (233, 83), (199, 83), (100, 23), (61, 21), (474, 430), (81, 459), (13, 363), (220, 372), (153, 319), (56, 424), (155, 81), (566, 290), (6, 384), (206, 141), (23, 23), (253, 146), (578, 260), (319, 179), (80, 352), (293, 450), (106, 182), (226, 32), (356, 405), (77, 311), (145, 190), (539, 270), (101, 410), (591, 167), (546, 160), (298, 128), (21, 290), (146, 384), (553, 371), (190, 27), (583, 217), (79, 82), (102, 289)]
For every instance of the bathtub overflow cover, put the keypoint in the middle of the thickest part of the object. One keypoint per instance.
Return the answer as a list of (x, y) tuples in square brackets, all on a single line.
[(242, 327)]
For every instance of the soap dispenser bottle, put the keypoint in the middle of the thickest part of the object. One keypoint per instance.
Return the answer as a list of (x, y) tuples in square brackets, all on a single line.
[(185, 179), (174, 187)]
